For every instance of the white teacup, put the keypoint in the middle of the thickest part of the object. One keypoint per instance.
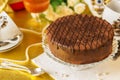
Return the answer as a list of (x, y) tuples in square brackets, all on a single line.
[(112, 11), (10, 35)]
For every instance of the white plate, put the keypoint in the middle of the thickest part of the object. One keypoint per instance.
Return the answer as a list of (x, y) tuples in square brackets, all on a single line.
[(109, 70)]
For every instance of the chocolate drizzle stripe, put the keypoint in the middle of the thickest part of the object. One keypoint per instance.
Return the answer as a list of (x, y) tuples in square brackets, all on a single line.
[(99, 33), (76, 38), (80, 28), (64, 34), (59, 34), (68, 32), (87, 32), (51, 28), (103, 33), (52, 31), (56, 31), (71, 46), (71, 38), (89, 28), (109, 31), (94, 31), (97, 37), (81, 39), (61, 40), (93, 35), (57, 26)]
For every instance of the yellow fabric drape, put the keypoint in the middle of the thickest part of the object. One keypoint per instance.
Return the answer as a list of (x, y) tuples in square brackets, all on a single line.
[(4, 6)]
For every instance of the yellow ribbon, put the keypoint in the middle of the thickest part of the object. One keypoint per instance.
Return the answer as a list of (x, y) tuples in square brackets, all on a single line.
[(4, 6)]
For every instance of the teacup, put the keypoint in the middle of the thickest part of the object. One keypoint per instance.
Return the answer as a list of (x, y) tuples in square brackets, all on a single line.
[(112, 11), (10, 35)]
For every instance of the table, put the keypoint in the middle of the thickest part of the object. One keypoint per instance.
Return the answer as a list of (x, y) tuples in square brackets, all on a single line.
[(32, 35)]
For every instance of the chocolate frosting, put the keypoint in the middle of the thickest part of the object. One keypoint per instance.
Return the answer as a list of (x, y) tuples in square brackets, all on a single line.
[(80, 32)]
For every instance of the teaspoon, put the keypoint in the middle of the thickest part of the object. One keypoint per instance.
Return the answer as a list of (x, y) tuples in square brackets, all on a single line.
[(13, 66)]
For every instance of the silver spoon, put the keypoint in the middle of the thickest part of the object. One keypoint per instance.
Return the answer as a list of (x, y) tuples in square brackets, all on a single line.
[(13, 66)]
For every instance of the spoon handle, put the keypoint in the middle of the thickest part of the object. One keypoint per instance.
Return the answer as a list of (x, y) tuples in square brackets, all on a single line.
[(10, 65)]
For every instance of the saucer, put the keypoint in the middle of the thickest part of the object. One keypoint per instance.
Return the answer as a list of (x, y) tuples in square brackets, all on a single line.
[(11, 45)]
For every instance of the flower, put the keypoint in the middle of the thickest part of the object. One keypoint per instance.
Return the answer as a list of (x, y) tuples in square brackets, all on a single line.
[(64, 10), (72, 3), (79, 8), (61, 11), (50, 14)]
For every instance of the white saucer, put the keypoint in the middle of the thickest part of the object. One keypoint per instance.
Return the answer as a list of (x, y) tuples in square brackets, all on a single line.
[(12, 45)]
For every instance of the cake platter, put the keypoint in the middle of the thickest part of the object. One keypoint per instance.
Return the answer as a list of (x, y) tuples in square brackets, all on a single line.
[(104, 70)]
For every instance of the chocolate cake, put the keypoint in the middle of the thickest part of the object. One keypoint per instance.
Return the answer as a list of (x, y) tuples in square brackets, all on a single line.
[(80, 39)]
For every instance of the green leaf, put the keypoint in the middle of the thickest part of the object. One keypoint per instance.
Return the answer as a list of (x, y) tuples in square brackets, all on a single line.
[(81, 0), (56, 3)]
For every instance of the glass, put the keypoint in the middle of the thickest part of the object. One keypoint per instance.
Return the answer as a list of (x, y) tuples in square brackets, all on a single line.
[(36, 6)]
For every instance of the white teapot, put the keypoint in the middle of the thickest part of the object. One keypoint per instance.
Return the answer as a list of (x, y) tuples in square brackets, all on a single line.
[(112, 11)]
